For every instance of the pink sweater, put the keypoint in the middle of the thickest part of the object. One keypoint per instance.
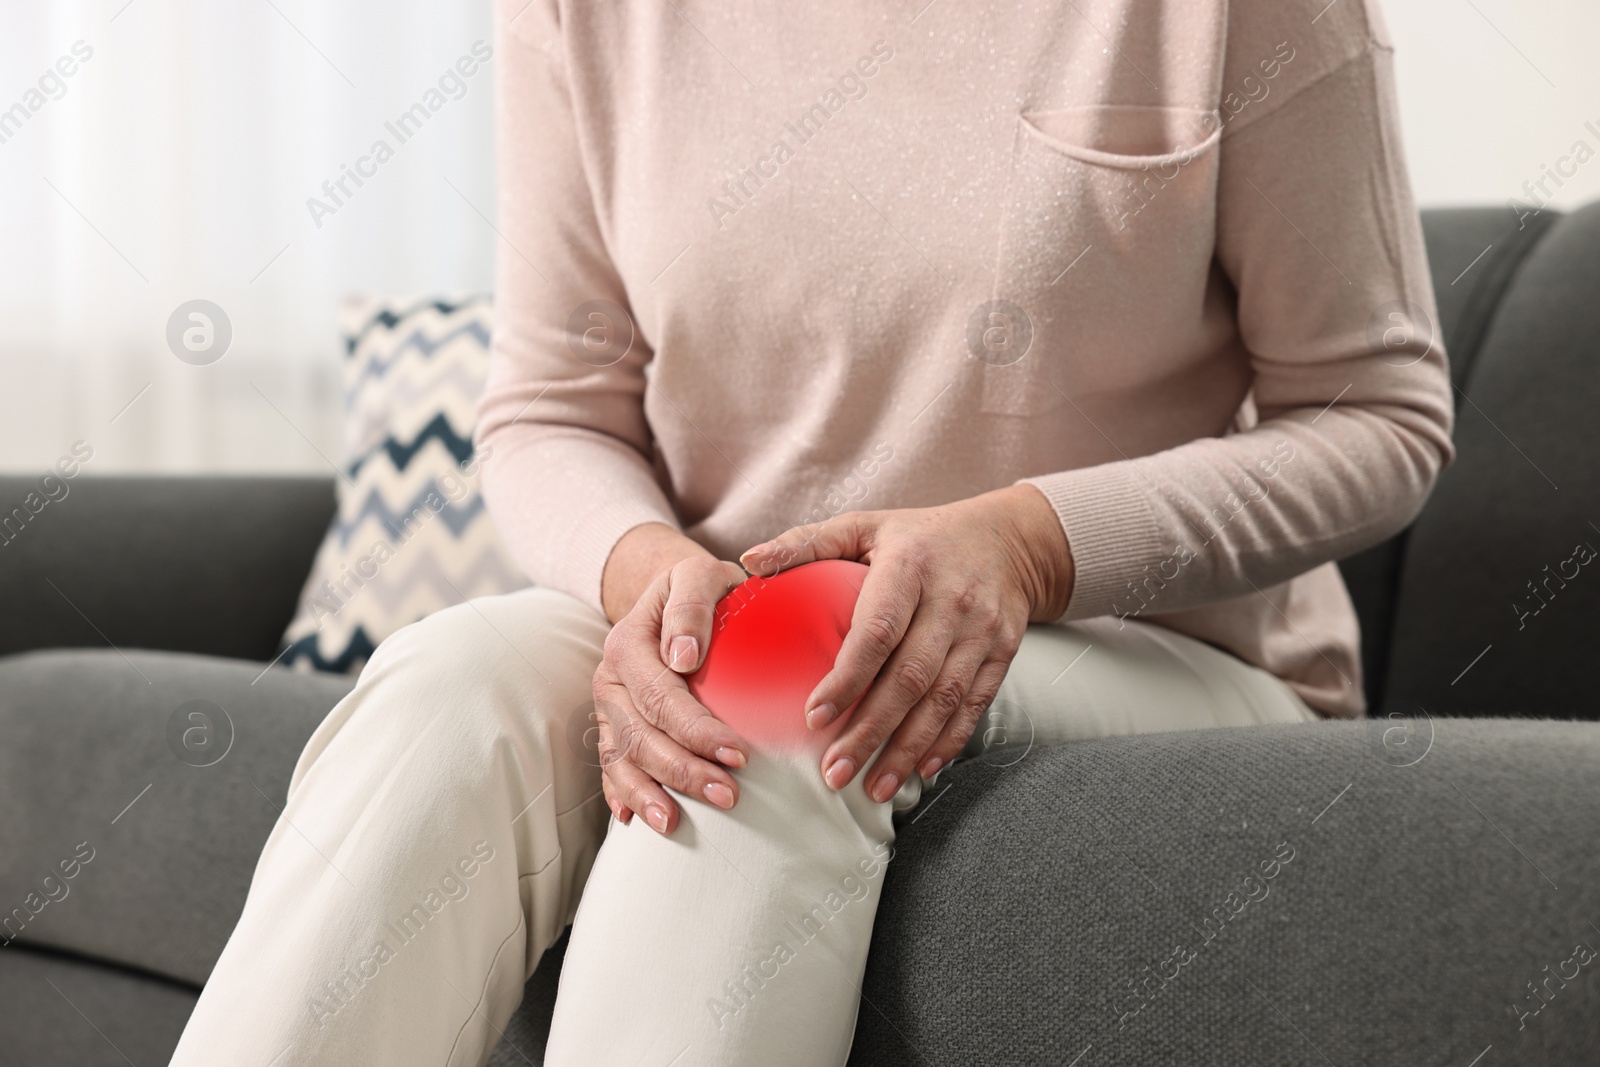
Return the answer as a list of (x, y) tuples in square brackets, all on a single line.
[(761, 265)]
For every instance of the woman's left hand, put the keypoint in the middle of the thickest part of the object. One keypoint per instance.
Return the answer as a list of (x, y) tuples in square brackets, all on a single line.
[(949, 593)]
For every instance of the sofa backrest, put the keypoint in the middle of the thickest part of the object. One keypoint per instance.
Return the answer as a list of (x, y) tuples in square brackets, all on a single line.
[(1482, 607), (184, 564), (1489, 603)]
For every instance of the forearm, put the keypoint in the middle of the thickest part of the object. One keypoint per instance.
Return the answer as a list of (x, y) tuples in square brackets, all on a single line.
[(637, 558), (1219, 518)]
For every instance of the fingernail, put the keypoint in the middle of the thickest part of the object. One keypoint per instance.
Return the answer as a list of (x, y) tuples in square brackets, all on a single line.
[(839, 773), (820, 716), (755, 550), (886, 787), (730, 757), (685, 650), (719, 794), (656, 816), (930, 767)]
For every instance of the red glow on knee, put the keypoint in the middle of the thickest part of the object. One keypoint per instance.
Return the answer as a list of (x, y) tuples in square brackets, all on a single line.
[(772, 641)]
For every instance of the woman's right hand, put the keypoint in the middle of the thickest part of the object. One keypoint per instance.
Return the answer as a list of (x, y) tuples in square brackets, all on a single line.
[(652, 732)]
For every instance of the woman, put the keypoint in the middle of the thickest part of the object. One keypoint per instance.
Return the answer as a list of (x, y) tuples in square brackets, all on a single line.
[(1097, 331)]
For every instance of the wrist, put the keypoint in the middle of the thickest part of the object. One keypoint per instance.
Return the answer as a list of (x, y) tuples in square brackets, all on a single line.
[(639, 557), (1040, 545)]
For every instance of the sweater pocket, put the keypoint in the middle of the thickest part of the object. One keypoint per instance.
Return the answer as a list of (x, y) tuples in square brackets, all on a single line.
[(1103, 255)]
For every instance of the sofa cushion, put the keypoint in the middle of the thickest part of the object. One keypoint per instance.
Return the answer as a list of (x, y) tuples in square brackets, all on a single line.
[(156, 778), (55, 1009), (1385, 891), (1302, 894), (1499, 595), (411, 535)]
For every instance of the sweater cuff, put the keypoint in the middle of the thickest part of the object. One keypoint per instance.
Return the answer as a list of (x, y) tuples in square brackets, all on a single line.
[(1111, 531), (594, 534)]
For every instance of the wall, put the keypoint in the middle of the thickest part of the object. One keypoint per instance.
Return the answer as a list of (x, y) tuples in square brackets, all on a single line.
[(1491, 90)]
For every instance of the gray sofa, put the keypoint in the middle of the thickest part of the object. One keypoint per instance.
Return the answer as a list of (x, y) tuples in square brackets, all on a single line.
[(1421, 888)]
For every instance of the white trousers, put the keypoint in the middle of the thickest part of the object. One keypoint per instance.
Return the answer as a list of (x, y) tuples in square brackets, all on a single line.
[(446, 819)]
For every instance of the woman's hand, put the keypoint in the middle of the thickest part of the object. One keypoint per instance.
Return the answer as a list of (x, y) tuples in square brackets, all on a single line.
[(652, 732), (948, 596)]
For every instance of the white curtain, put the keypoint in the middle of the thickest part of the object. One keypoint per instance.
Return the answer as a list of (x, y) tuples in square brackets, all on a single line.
[(154, 152)]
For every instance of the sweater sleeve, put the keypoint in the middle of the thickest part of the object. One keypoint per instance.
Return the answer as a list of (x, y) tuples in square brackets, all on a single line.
[(567, 468), (1317, 232)]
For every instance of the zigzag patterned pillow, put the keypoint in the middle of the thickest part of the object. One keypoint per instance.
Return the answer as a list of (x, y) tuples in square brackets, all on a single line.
[(411, 535)]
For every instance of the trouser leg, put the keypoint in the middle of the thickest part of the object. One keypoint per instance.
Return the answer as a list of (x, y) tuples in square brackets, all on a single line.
[(438, 830), (740, 939), (1107, 677)]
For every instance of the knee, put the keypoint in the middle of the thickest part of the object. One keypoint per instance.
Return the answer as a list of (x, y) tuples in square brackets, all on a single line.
[(773, 640)]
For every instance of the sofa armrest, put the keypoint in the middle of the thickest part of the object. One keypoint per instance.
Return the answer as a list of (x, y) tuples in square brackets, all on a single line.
[(189, 564)]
